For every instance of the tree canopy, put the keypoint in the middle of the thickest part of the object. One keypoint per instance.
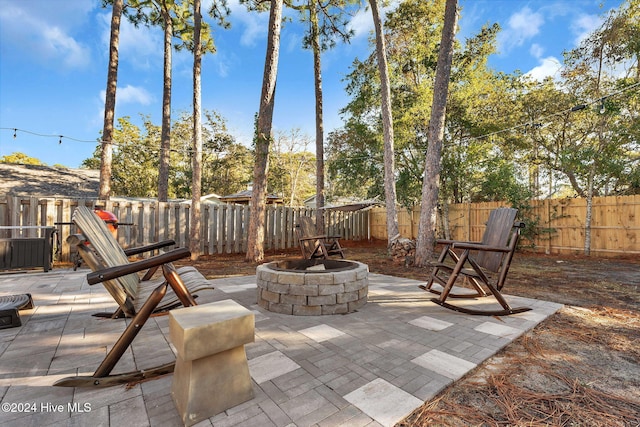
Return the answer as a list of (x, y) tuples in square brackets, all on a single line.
[(506, 136)]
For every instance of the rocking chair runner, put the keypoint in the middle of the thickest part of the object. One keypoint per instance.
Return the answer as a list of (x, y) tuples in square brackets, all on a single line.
[(493, 254), (313, 245), (137, 299)]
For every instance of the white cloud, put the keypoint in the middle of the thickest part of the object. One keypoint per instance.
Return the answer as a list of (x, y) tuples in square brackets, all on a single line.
[(130, 95), (526, 23), (44, 33), (142, 46), (362, 23), (522, 26), (536, 50), (549, 67), (222, 64), (134, 95), (255, 24), (292, 43), (584, 25)]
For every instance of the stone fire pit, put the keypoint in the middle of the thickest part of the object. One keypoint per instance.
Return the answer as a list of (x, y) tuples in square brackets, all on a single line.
[(312, 287)]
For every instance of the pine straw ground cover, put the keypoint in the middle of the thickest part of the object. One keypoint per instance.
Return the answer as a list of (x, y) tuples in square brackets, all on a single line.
[(580, 367)]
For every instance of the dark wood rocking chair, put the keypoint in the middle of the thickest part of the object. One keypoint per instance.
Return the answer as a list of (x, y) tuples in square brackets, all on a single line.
[(313, 245), (474, 260), (137, 298)]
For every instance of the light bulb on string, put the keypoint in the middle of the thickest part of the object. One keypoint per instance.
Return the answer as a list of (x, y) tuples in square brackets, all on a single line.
[(15, 133), (60, 140)]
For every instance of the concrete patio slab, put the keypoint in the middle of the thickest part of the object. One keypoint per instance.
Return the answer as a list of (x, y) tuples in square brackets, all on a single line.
[(367, 368), (383, 401)]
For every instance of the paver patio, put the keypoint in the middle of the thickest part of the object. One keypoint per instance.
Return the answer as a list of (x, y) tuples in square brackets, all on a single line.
[(368, 368)]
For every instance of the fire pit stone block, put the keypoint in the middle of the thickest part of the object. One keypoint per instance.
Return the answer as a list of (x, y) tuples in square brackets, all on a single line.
[(340, 289)]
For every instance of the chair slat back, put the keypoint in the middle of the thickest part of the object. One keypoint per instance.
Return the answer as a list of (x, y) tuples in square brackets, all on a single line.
[(497, 233), (306, 228), (106, 246)]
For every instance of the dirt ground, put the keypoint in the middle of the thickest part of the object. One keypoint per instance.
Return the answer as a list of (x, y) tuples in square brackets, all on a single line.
[(580, 367)]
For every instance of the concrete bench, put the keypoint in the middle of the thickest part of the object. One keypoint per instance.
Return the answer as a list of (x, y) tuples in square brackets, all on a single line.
[(211, 373)]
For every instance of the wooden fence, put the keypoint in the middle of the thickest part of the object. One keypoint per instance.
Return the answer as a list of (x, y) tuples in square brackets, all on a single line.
[(559, 224), (224, 227)]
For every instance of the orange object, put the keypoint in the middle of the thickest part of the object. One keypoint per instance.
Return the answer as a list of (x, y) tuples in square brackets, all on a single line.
[(110, 219)]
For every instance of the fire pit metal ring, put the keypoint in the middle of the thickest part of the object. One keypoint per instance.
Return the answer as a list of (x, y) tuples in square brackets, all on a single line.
[(312, 287)]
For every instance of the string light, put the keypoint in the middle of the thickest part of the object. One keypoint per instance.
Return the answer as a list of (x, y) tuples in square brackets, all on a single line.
[(539, 123), (115, 144)]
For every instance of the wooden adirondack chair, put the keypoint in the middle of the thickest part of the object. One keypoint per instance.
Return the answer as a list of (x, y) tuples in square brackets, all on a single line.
[(137, 299), (474, 262), (313, 245), (99, 250)]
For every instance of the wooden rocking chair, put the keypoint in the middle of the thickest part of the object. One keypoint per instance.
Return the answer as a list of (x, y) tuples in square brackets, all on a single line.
[(476, 259), (137, 299), (313, 245)]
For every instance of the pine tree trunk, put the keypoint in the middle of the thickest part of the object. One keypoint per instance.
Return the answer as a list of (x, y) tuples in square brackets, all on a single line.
[(196, 185), (165, 144), (110, 103), (317, 72), (431, 179), (255, 238), (393, 232)]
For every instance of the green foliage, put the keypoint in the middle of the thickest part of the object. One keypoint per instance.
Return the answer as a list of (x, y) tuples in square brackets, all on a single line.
[(480, 101), (226, 165), (134, 164), (506, 137), (21, 159), (329, 20), (354, 159), (157, 13), (291, 168), (500, 181)]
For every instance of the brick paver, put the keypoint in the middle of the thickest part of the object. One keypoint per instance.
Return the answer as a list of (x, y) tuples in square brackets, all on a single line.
[(330, 370)]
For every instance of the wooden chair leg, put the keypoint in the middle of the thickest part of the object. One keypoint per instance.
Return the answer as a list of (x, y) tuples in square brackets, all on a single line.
[(454, 276), (149, 274), (178, 286), (435, 271), (435, 278), (101, 377)]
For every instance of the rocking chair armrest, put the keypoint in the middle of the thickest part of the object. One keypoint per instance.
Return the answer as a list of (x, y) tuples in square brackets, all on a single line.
[(149, 248), (480, 247), (134, 267), (321, 236), (78, 239), (455, 242)]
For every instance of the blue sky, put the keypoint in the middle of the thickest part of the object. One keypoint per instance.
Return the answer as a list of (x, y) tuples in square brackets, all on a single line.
[(54, 53)]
